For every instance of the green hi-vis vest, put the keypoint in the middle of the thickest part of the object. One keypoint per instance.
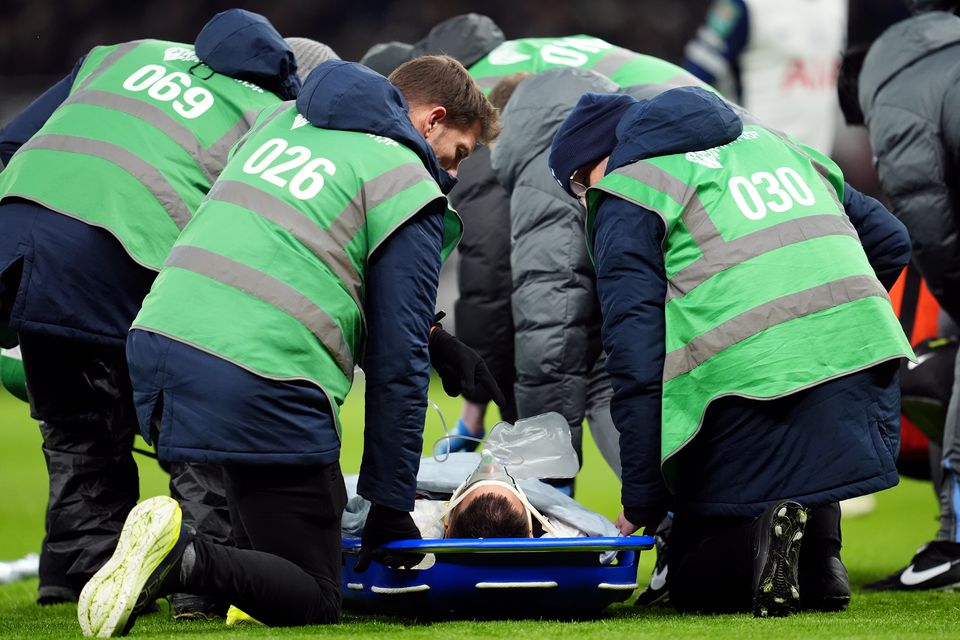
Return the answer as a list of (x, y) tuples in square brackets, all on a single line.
[(137, 144), (533, 55), (768, 288), (270, 273)]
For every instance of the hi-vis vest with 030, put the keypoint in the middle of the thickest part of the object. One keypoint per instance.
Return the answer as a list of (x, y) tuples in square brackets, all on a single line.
[(137, 144), (768, 288), (270, 273), (533, 55)]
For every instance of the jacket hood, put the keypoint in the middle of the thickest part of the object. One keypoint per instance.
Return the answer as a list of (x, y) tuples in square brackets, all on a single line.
[(244, 45), (676, 121), (903, 44), (351, 97), (536, 110), (466, 38)]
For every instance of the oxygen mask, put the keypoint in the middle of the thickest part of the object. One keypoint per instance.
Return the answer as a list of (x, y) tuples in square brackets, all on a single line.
[(491, 473)]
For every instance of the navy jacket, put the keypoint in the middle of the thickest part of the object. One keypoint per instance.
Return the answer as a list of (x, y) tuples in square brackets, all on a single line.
[(228, 415), (77, 280), (832, 442)]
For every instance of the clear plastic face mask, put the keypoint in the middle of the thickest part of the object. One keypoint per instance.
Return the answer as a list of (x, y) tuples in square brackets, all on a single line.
[(491, 473), (489, 469)]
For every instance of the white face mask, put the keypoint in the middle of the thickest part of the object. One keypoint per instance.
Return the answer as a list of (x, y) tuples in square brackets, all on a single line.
[(491, 473)]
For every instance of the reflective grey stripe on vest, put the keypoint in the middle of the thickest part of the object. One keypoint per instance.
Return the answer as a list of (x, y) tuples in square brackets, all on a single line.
[(217, 152), (319, 241), (716, 258), (616, 58), (684, 79), (717, 254), (375, 191), (270, 290), (211, 161), (243, 131), (695, 217), (154, 116), (109, 60), (143, 171), (768, 315), (280, 108)]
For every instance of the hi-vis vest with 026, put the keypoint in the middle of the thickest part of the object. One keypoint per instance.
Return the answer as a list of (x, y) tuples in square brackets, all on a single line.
[(270, 273), (134, 148), (769, 290), (533, 55)]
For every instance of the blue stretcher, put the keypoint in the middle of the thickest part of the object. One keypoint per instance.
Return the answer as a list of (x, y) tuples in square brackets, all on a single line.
[(498, 577)]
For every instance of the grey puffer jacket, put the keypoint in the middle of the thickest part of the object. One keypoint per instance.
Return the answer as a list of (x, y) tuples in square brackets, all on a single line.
[(910, 96), (482, 313), (555, 310)]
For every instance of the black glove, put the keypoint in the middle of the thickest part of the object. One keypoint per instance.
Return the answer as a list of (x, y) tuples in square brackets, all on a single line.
[(461, 370), (386, 525), (8, 337)]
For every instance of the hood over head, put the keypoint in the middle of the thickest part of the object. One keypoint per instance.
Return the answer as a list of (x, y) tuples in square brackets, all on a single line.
[(676, 121), (587, 135), (900, 46), (537, 108), (244, 45), (465, 38), (647, 91), (386, 56), (351, 97)]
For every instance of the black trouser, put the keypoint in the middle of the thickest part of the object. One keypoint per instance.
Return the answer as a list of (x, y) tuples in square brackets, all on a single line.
[(199, 488), (711, 559), (289, 516), (81, 395), (62, 275)]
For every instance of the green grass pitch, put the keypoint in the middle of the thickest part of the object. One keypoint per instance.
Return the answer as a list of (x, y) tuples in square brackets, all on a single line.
[(874, 545)]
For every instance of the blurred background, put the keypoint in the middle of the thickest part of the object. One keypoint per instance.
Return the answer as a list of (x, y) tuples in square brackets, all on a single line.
[(41, 39)]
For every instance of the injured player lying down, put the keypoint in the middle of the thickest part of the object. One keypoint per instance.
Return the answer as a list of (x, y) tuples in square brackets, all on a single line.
[(490, 503)]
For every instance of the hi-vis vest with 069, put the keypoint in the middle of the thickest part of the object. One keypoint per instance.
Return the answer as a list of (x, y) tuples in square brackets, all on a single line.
[(533, 55), (270, 273), (769, 290), (134, 148)]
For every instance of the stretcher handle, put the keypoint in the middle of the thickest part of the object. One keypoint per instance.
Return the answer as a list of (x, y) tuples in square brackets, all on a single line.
[(495, 545)]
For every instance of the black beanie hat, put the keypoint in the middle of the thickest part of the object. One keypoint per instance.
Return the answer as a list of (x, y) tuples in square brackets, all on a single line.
[(588, 134)]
